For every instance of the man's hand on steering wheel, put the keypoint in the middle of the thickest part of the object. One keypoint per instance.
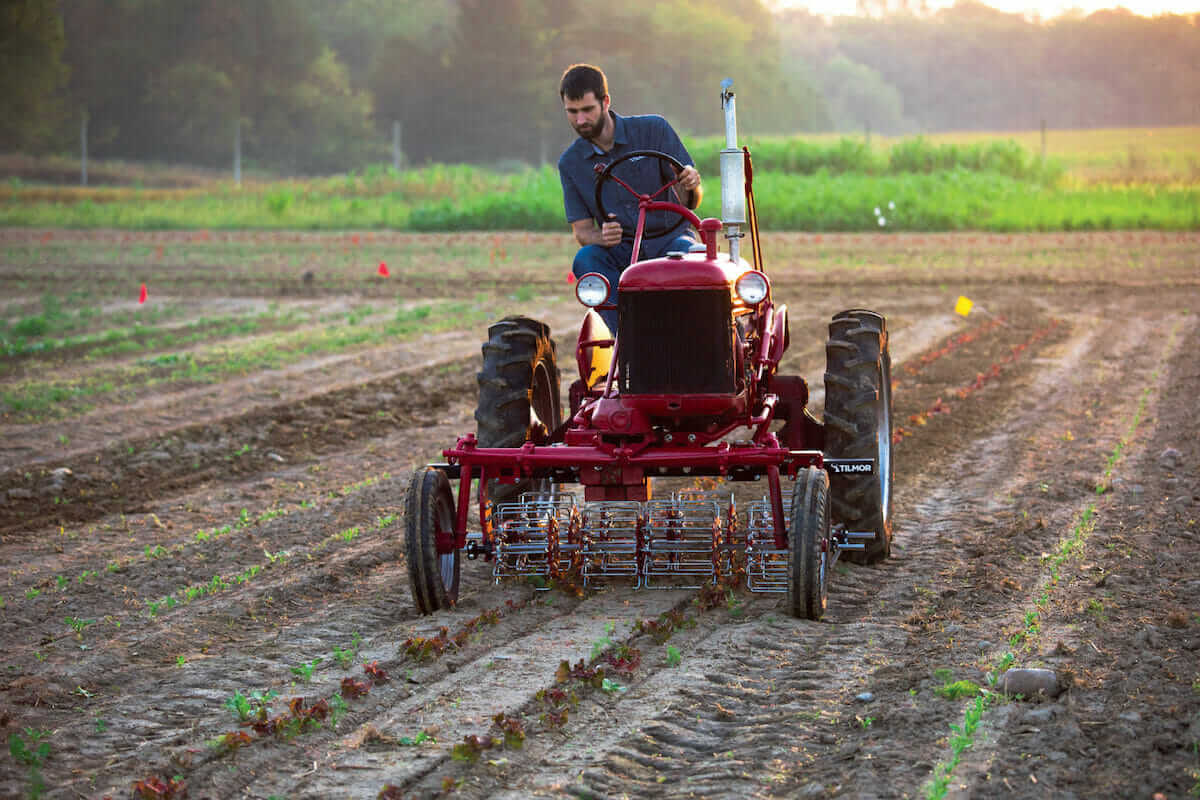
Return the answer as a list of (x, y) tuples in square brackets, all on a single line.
[(689, 179), (611, 232)]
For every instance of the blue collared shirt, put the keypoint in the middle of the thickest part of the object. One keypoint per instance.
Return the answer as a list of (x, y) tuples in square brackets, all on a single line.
[(576, 170)]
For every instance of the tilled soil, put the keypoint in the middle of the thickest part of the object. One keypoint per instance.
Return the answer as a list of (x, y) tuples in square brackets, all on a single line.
[(1046, 498)]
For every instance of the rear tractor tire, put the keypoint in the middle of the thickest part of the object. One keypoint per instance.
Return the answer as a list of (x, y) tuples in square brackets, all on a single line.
[(519, 397), (858, 424), (433, 561), (809, 545)]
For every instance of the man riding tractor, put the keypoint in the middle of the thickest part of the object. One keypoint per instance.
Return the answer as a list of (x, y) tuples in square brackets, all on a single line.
[(607, 139)]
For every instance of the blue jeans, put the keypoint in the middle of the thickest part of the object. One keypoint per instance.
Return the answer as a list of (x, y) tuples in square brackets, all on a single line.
[(612, 261)]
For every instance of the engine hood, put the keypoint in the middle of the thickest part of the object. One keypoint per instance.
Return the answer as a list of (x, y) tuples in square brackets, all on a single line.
[(693, 271)]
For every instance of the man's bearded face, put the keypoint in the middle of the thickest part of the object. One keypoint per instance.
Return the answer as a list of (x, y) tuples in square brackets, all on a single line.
[(586, 115)]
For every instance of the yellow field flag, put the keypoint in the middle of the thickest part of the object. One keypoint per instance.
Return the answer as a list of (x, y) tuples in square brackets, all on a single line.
[(963, 306)]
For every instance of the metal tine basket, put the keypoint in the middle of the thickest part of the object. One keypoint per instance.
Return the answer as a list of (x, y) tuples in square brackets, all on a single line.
[(684, 539), (766, 565), (612, 540), (537, 535)]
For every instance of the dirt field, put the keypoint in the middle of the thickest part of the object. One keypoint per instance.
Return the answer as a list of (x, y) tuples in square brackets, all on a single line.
[(172, 545)]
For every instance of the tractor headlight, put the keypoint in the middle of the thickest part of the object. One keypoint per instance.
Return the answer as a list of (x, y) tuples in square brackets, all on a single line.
[(751, 287), (592, 289)]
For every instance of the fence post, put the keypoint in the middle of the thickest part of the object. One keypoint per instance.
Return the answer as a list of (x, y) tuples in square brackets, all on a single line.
[(1043, 141), (397, 153), (83, 148), (237, 151)]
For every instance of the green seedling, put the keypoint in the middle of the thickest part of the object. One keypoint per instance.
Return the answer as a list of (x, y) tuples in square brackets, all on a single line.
[(32, 751), (344, 657), (62, 582), (413, 741), (337, 709), (305, 671), (673, 656), (100, 725), (611, 686), (864, 722), (604, 642), (32, 593), (77, 625)]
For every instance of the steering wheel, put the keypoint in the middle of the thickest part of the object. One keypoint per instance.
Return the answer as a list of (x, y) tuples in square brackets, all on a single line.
[(606, 174)]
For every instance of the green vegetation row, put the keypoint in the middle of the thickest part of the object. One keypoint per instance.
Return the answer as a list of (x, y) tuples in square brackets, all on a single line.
[(798, 156), (50, 397), (466, 198)]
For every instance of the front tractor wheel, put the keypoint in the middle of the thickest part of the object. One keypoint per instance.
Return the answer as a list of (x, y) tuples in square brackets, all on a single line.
[(809, 545), (519, 398), (858, 424), (433, 561)]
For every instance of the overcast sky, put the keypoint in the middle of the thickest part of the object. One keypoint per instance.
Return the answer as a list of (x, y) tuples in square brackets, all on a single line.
[(1047, 8)]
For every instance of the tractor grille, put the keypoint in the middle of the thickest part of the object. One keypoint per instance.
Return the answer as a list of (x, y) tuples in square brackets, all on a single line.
[(676, 342)]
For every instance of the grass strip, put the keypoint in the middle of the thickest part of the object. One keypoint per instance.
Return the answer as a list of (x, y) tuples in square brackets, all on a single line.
[(473, 199)]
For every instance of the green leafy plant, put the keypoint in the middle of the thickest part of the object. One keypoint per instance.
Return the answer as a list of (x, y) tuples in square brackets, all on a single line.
[(305, 671), (338, 707), (78, 625), (673, 656), (31, 750), (604, 642), (344, 656)]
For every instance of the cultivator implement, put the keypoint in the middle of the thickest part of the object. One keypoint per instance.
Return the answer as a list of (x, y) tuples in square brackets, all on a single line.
[(689, 540)]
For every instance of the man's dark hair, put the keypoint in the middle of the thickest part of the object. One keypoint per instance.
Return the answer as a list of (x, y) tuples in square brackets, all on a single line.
[(579, 79)]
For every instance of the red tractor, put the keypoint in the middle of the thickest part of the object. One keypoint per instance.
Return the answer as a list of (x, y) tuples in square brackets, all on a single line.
[(688, 386)]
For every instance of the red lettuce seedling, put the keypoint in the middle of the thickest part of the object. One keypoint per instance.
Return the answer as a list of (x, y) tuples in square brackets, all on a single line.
[(375, 673), (155, 788), (352, 688), (232, 741), (513, 729), (471, 746), (624, 659), (591, 676)]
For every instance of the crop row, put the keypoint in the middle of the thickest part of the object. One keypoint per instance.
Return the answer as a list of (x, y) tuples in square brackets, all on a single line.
[(201, 546), (1023, 639), (36, 399)]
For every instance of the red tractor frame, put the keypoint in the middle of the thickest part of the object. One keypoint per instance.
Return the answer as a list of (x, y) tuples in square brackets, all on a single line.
[(688, 386)]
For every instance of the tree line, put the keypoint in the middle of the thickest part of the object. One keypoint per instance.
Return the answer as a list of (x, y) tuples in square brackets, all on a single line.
[(311, 86)]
